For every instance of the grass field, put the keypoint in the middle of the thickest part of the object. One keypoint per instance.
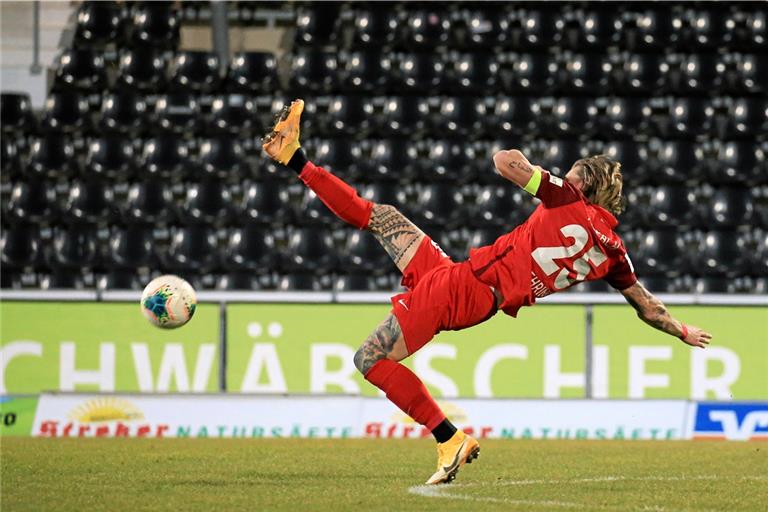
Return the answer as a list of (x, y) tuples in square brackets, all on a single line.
[(319, 475)]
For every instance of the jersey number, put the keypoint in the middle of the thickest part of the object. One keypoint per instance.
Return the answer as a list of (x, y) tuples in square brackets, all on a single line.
[(545, 257)]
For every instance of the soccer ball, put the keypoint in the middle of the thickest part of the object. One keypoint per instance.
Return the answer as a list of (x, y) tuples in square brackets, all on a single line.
[(168, 301)]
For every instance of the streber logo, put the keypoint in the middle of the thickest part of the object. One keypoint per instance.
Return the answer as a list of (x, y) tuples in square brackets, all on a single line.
[(739, 421)]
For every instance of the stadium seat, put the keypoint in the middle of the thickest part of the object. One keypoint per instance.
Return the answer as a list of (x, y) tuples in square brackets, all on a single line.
[(194, 71), (253, 73), (760, 201), (440, 204), (314, 71), (721, 253), (131, 247), (736, 162), (513, 115), (245, 280), (584, 73), (318, 25), (81, 69), (110, 156), (428, 27), (177, 112), (341, 156), (480, 27), (363, 253), (148, 202), (538, 26), (250, 248), (386, 193), (419, 73), (121, 279), (166, 156), (32, 201), (192, 249), (675, 161), (74, 247), (759, 257), (309, 250), (696, 73), (233, 114), (52, 155), (142, 68), (591, 28), (622, 117), (567, 116), (754, 33), (649, 29), (472, 73), (123, 112), (376, 24), (746, 117), (368, 71), (156, 24), (533, 73), (310, 210), (724, 207), (460, 116), (304, 281), (20, 246), (347, 115), (708, 28), (560, 155), (90, 201), (389, 159), (446, 161), (16, 113), (400, 113), (495, 207), (222, 157), (363, 281), (98, 23), (669, 205), (689, 117), (261, 202), (660, 252), (643, 73), (751, 74), (208, 202), (65, 112), (9, 159)]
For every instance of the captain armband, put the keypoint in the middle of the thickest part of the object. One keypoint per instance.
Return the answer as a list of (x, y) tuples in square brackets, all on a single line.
[(532, 187)]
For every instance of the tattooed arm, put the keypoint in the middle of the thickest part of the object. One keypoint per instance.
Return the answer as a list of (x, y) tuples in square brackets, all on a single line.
[(653, 312), (513, 166)]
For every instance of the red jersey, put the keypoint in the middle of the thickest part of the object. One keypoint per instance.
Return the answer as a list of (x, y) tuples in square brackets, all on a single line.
[(566, 240)]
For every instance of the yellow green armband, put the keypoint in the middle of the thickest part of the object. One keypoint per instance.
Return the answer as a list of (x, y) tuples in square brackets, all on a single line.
[(533, 184)]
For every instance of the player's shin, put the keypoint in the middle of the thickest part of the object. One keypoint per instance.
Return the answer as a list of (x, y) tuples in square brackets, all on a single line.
[(337, 195), (404, 389)]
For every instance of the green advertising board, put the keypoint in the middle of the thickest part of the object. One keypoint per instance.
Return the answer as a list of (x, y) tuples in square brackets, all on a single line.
[(309, 349), (104, 347), (635, 361), (17, 415)]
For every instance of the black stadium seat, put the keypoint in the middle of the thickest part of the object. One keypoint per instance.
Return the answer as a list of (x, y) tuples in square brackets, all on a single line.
[(366, 72), (724, 207), (74, 247), (250, 248), (20, 246), (148, 202), (194, 71), (52, 155), (80, 69), (310, 249), (142, 68), (177, 112), (426, 27), (233, 114), (156, 24), (318, 24), (481, 27), (476, 73), (584, 73), (123, 112), (167, 156), (260, 202), (253, 73), (314, 71), (222, 157), (376, 24), (32, 201), (65, 112), (207, 202), (649, 29), (643, 73), (131, 247), (660, 252), (16, 112), (363, 253), (533, 73), (419, 73), (90, 200), (9, 158), (111, 156), (721, 253), (98, 23), (192, 248)]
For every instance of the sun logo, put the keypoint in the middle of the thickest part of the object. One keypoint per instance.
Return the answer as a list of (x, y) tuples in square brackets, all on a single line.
[(105, 409), (453, 412)]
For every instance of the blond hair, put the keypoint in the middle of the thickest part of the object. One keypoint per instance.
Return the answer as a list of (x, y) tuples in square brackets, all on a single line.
[(602, 182)]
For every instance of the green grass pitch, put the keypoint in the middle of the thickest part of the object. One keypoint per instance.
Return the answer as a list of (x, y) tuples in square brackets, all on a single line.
[(366, 475)]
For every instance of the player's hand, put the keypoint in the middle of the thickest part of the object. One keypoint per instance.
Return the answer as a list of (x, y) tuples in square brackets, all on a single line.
[(697, 337)]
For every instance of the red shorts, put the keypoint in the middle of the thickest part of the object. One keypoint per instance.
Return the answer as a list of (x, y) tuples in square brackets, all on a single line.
[(442, 296)]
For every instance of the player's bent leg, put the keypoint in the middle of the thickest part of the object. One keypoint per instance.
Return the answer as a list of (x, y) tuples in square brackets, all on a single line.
[(377, 359), (399, 236)]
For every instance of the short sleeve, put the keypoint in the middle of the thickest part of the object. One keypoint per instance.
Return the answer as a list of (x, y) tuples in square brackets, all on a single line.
[(622, 273), (554, 191)]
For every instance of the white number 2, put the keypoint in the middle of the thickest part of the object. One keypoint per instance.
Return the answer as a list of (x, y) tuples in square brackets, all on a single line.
[(545, 257)]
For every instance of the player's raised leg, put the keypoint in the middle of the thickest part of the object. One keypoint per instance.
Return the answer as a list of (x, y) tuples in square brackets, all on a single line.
[(378, 360), (399, 236)]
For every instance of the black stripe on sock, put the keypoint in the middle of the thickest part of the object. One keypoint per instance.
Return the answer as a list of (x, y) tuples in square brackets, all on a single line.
[(444, 431), (297, 161)]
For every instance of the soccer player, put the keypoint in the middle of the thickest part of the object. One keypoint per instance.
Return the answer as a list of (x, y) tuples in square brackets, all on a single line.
[(568, 238)]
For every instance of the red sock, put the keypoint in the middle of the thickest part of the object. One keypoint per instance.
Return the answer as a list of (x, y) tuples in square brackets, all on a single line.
[(405, 390), (338, 196)]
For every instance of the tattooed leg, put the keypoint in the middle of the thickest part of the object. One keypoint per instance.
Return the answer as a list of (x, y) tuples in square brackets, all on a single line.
[(399, 236), (386, 342)]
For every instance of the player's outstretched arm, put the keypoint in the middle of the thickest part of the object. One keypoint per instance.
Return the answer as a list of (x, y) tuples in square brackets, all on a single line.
[(513, 166), (653, 312)]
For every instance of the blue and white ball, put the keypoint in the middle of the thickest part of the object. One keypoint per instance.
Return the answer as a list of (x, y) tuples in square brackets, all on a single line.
[(168, 301)]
